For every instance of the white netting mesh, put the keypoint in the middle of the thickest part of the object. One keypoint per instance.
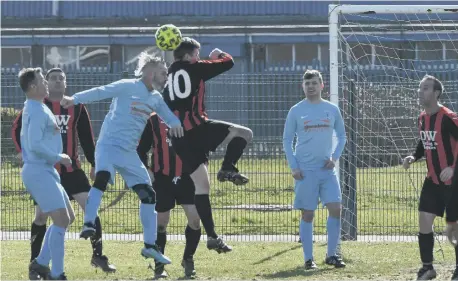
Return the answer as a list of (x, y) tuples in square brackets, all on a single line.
[(382, 58)]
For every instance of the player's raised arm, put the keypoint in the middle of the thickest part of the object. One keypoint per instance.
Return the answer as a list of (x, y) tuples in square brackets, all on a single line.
[(112, 90), (289, 133), (164, 112), (339, 128), (16, 132), (86, 135), (146, 141), (219, 62), (37, 127)]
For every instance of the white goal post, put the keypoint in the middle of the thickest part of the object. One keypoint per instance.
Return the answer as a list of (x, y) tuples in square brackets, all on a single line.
[(377, 57)]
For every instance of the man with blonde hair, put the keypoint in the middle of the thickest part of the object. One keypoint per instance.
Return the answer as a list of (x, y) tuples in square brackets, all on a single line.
[(133, 102)]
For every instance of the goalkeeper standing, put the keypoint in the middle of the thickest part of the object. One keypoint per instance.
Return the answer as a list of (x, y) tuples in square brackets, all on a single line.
[(313, 121)]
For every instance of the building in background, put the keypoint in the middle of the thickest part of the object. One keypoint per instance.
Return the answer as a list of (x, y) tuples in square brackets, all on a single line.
[(107, 36)]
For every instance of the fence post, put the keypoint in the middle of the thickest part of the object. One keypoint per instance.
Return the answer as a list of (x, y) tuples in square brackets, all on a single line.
[(349, 206), (125, 75)]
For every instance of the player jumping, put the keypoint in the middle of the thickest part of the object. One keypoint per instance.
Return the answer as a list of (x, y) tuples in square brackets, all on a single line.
[(133, 102), (171, 185), (72, 122), (313, 121), (41, 150), (185, 94), (438, 128)]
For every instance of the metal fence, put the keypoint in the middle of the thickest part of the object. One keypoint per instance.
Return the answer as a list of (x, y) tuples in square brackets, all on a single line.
[(380, 119)]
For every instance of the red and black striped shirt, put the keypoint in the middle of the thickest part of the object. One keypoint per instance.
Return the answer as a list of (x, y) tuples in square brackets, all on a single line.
[(163, 159), (73, 122), (185, 89), (438, 142)]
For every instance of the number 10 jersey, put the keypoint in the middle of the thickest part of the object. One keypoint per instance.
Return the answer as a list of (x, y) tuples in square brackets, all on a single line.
[(185, 89)]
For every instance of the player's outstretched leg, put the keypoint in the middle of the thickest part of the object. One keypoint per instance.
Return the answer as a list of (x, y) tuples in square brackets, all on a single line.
[(148, 218), (238, 139), (426, 244), (98, 260), (94, 200), (203, 206), (333, 228)]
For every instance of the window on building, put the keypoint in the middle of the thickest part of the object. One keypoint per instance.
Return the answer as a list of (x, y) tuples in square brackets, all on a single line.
[(259, 52), (62, 56), (451, 50), (306, 52), (430, 50), (94, 55), (278, 53), (388, 54), (21, 56), (324, 52), (360, 53)]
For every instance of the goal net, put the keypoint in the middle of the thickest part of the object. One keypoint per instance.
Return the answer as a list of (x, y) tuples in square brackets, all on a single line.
[(378, 56)]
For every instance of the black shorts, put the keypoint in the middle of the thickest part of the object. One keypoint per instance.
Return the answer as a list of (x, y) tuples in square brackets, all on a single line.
[(74, 182), (170, 190), (195, 146), (434, 198)]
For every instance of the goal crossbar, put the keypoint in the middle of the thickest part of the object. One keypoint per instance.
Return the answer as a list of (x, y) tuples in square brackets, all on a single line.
[(389, 9)]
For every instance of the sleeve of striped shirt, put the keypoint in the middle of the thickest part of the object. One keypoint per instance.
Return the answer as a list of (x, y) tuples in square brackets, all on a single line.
[(209, 69), (145, 144), (86, 135), (16, 132), (419, 151)]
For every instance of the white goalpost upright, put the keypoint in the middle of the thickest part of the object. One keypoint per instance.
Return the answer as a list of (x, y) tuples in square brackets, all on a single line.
[(378, 55)]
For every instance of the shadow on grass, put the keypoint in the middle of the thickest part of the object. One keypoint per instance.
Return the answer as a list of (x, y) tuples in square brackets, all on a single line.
[(278, 254), (296, 272)]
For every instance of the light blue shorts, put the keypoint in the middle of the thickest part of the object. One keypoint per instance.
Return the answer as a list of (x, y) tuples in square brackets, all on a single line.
[(127, 163), (316, 185), (43, 184)]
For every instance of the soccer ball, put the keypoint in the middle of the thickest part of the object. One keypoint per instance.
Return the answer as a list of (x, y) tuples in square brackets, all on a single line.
[(168, 37)]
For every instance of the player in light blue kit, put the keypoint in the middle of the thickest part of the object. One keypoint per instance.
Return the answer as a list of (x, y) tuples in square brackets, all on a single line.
[(134, 100), (41, 150), (313, 121)]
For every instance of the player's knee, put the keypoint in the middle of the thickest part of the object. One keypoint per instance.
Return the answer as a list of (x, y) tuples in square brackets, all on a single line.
[(334, 211), (60, 218), (426, 222), (308, 216), (101, 180), (194, 223), (145, 193), (71, 216), (161, 228), (247, 134), (243, 132)]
